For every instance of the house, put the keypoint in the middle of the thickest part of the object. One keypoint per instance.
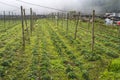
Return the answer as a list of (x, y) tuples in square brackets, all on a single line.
[(112, 14)]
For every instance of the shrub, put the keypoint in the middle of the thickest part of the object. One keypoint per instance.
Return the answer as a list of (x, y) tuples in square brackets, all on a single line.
[(92, 56), (72, 75), (2, 71), (68, 69), (112, 54), (6, 63), (46, 77), (83, 51), (85, 75), (114, 66), (71, 56), (69, 52)]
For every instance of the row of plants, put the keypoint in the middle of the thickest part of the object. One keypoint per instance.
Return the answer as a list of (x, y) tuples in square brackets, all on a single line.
[(100, 46)]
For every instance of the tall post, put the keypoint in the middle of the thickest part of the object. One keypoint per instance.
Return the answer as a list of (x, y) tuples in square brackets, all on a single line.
[(88, 22), (9, 17), (31, 20), (12, 18), (93, 36), (23, 35), (62, 20), (52, 16), (4, 21), (27, 29), (67, 22), (57, 18), (119, 36), (15, 19), (77, 25)]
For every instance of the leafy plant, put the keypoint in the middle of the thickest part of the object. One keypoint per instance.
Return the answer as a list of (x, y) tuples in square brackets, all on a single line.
[(114, 66)]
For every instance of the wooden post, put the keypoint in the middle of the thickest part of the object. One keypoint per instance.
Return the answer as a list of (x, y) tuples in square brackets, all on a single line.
[(31, 20), (118, 35), (57, 18), (62, 20), (15, 19), (27, 29), (89, 22), (52, 16), (77, 25), (93, 36), (23, 34), (9, 17), (4, 21), (12, 18), (67, 22)]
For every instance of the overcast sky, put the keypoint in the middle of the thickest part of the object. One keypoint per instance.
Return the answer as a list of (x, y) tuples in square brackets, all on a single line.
[(59, 4)]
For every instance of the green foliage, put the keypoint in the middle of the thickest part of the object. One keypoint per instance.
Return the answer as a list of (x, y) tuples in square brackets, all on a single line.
[(46, 77), (92, 56), (85, 75), (114, 66), (112, 54), (53, 54), (70, 73), (83, 51), (6, 63), (2, 70)]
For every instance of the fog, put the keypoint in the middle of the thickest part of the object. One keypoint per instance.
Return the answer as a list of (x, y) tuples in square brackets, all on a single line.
[(85, 6)]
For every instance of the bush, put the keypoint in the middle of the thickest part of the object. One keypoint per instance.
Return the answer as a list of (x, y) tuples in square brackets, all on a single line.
[(46, 77), (114, 66), (68, 69), (85, 75), (72, 75), (6, 63), (69, 52), (2, 71), (84, 52), (71, 56), (112, 54), (92, 56)]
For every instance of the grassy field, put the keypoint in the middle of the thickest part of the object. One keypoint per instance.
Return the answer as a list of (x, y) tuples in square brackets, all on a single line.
[(54, 54)]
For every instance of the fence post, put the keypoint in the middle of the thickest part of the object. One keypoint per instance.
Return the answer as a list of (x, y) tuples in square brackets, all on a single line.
[(31, 20), (77, 25), (27, 29), (23, 35), (12, 18), (9, 17), (89, 22), (62, 20), (93, 36), (57, 18), (4, 21), (67, 22), (119, 35)]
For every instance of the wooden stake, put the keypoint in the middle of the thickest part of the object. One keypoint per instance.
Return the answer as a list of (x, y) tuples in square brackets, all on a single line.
[(119, 35), (67, 22), (89, 22), (9, 17), (57, 18), (4, 21), (12, 18), (93, 37), (23, 34), (31, 20), (27, 29), (62, 20), (77, 25)]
